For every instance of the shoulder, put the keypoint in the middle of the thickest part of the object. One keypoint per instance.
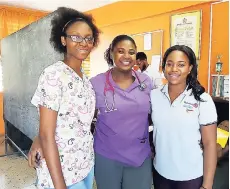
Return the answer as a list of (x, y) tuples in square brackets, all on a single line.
[(53, 70), (206, 100), (145, 79), (143, 76), (206, 97), (98, 79), (156, 92)]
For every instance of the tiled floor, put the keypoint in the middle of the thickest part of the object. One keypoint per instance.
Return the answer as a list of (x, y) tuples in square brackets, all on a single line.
[(14, 170), (15, 173)]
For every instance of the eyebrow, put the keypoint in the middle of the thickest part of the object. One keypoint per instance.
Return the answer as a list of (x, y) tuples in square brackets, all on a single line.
[(124, 49), (180, 61)]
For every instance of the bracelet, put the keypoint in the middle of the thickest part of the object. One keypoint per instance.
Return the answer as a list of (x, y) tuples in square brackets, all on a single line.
[(203, 187)]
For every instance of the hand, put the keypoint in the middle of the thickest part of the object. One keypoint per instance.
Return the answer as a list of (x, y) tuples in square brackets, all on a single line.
[(35, 154)]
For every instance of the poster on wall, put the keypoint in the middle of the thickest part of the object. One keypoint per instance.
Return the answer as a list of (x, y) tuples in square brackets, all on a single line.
[(185, 29)]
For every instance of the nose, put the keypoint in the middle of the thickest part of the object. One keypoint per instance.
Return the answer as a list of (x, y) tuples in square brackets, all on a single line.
[(174, 67), (127, 55), (83, 42)]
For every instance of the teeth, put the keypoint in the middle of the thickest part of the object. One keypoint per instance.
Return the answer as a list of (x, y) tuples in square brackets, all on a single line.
[(82, 50), (126, 63), (174, 75)]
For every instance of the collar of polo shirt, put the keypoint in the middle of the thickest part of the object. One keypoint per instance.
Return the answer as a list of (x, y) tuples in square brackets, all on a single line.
[(165, 90)]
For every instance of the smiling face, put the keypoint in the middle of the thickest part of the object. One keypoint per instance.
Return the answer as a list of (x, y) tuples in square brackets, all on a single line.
[(124, 55), (78, 50), (177, 68)]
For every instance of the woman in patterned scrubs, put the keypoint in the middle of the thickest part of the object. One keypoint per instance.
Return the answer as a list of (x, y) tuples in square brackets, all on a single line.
[(66, 104)]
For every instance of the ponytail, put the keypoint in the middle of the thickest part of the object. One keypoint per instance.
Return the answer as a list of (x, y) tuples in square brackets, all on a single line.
[(107, 56), (197, 88)]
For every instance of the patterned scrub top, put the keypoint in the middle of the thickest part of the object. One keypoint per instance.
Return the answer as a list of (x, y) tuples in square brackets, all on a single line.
[(62, 90)]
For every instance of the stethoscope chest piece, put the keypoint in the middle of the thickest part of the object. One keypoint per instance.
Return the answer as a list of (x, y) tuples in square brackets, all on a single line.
[(142, 86)]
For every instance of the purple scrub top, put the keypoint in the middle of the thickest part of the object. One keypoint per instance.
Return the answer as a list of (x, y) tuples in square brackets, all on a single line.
[(122, 135)]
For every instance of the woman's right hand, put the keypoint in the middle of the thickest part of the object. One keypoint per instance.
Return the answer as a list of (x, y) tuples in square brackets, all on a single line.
[(35, 154)]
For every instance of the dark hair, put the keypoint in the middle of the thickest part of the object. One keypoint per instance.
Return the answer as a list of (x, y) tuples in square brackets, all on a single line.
[(192, 82), (63, 19), (115, 41), (141, 56)]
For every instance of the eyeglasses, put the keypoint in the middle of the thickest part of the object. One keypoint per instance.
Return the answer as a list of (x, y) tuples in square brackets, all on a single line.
[(79, 39)]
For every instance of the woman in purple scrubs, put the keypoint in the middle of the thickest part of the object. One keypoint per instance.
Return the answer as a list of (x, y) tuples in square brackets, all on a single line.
[(121, 144), (122, 149)]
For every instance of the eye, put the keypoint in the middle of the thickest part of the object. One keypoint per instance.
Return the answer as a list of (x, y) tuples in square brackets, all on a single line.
[(90, 39), (76, 38), (132, 52), (120, 51), (181, 65), (168, 64)]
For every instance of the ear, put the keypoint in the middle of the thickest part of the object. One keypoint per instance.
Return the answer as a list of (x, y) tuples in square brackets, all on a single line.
[(63, 41)]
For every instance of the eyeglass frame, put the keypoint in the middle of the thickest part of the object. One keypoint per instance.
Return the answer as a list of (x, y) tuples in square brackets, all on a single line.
[(82, 38)]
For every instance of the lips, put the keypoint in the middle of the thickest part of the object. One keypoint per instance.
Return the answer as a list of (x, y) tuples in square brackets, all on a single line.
[(174, 76)]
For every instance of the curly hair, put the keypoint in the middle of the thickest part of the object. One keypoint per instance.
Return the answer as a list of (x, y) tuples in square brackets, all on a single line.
[(116, 40), (62, 20), (191, 81)]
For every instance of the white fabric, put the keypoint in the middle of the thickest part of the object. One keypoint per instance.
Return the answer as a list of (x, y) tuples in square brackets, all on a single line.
[(150, 72), (62, 90), (176, 133)]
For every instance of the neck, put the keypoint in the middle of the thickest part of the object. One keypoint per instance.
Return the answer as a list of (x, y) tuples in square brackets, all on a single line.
[(121, 75), (72, 62), (177, 89)]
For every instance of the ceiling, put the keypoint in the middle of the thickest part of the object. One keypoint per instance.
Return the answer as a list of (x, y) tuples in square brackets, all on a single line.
[(48, 5)]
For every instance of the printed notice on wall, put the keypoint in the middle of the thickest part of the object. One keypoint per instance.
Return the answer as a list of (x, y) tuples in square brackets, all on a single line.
[(185, 30), (147, 41)]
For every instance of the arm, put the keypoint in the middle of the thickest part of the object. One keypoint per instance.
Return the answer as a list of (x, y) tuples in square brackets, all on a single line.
[(48, 119), (207, 121), (208, 134)]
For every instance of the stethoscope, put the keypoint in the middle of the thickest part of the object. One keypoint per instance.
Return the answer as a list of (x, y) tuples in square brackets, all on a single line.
[(109, 87)]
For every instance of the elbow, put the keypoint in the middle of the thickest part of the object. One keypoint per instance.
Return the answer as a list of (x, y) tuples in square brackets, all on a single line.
[(46, 136), (209, 145)]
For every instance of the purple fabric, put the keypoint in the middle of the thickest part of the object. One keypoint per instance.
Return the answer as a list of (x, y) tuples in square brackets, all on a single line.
[(122, 135)]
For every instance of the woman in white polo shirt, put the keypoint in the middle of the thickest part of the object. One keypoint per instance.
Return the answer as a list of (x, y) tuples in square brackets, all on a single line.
[(184, 119)]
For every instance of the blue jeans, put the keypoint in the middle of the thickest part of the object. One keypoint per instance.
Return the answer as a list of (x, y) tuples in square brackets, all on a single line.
[(86, 183)]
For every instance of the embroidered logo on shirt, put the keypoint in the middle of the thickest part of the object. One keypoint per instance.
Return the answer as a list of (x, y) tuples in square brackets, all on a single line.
[(190, 106)]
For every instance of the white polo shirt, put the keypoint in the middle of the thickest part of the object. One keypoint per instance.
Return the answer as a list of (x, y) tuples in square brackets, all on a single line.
[(176, 133)]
